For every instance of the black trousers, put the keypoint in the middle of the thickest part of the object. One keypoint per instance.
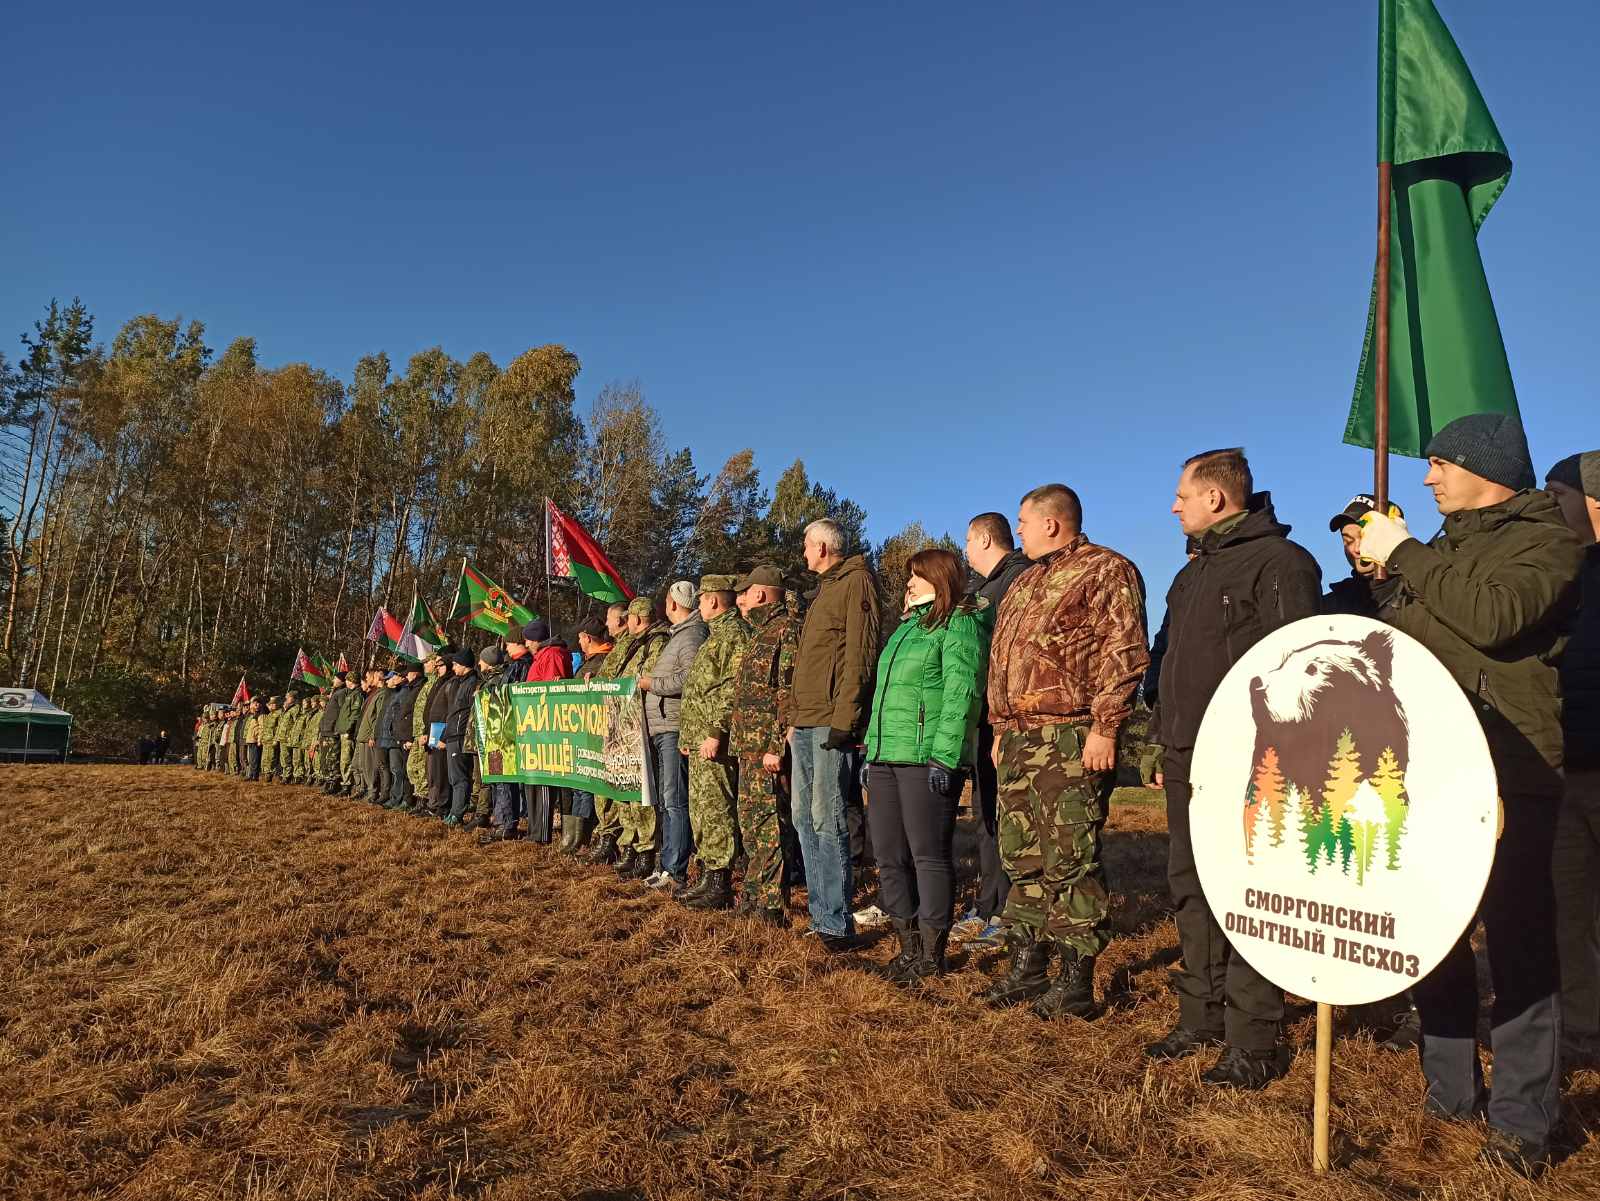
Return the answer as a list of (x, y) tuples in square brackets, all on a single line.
[(382, 777), (993, 883), (1518, 912), (459, 766), (913, 837), (1218, 991), (399, 782), (438, 781), (255, 761)]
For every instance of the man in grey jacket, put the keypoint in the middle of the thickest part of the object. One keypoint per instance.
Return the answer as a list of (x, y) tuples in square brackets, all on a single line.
[(663, 702)]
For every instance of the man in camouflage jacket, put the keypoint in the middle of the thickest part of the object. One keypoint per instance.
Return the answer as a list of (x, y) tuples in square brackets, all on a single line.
[(647, 638), (269, 740), (757, 736), (1067, 655), (703, 723)]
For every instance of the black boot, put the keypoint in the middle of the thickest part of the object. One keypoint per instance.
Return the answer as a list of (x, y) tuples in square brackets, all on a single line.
[(1181, 1041), (929, 963), (1028, 973), (603, 853), (1072, 993), (625, 864), (1238, 1068), (698, 889), (644, 866), (909, 947), (718, 894)]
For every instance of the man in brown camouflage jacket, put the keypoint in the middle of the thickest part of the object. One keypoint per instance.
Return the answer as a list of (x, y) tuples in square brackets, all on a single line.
[(758, 736), (1067, 654)]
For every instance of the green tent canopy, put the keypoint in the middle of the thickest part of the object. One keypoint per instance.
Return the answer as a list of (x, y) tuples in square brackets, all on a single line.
[(31, 727)]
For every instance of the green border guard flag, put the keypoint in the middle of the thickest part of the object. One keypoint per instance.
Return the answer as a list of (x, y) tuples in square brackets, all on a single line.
[(1446, 355), (483, 603)]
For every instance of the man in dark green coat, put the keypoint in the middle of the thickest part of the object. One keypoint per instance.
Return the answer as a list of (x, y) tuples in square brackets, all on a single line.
[(1493, 596)]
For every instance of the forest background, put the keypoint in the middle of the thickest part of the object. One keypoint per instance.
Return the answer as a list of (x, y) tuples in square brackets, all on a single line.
[(176, 517)]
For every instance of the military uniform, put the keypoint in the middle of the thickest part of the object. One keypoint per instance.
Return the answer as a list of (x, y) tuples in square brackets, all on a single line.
[(268, 727), (1067, 655), (290, 727), (706, 713), (417, 757), (607, 815), (758, 727), (638, 822)]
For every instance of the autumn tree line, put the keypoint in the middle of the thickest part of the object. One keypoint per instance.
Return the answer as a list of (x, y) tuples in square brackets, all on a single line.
[(176, 517)]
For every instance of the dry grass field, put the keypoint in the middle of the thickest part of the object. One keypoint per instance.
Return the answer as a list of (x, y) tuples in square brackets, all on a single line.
[(210, 990)]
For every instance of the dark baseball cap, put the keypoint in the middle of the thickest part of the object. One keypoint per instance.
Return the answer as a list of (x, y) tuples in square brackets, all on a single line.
[(1360, 505), (765, 576)]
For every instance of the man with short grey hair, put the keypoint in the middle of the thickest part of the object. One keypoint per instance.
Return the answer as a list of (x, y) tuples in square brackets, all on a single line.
[(833, 674), (663, 682)]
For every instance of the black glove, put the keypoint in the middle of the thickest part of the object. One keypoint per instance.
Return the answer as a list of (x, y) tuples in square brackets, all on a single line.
[(864, 766), (941, 780), (839, 740)]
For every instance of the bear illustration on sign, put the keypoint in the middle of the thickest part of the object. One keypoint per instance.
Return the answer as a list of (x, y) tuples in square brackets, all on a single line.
[(1327, 784)]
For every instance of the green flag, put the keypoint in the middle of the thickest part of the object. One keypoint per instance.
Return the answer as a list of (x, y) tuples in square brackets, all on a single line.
[(483, 603), (1446, 356)]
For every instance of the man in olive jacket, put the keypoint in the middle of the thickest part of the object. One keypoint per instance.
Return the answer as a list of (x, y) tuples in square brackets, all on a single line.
[(344, 729), (1575, 483), (832, 695), (1493, 596)]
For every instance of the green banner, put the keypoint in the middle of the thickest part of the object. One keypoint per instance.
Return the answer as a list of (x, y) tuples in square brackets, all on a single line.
[(583, 734)]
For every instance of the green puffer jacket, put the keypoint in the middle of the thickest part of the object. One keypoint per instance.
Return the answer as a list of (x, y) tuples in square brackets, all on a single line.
[(930, 688), (1492, 596)]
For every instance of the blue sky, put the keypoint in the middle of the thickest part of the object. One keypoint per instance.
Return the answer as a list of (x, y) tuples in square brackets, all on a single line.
[(943, 252)]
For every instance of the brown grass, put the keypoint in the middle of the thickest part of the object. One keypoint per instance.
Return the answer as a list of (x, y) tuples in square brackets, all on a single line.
[(212, 990)]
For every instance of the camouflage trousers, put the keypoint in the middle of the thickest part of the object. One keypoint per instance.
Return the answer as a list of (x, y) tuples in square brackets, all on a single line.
[(299, 767), (1051, 813), (417, 770), (606, 819), (759, 797), (713, 818), (269, 760), (638, 827)]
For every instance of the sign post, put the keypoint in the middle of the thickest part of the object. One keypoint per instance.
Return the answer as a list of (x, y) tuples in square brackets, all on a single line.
[(1344, 817)]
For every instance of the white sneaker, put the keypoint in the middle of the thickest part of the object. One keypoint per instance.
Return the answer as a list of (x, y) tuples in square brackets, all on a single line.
[(659, 880), (870, 918)]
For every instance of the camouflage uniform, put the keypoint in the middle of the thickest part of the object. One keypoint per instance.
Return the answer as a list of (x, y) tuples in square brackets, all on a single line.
[(269, 739), (1068, 652), (639, 821), (308, 737), (706, 713), (607, 819), (417, 758), (289, 730), (758, 727)]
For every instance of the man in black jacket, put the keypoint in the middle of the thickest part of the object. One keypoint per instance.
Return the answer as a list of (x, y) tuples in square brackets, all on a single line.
[(1575, 483), (996, 562), (397, 733), (1360, 593), (463, 687), (1245, 580)]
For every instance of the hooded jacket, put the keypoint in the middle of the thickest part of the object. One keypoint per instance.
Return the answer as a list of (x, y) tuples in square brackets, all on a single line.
[(998, 582), (328, 719), (1493, 596), (397, 717), (348, 711), (838, 651), (1246, 580), (930, 684), (550, 661), (663, 704), (367, 726), (458, 707)]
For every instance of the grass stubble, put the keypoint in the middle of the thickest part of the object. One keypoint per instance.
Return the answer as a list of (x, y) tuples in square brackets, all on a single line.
[(215, 990)]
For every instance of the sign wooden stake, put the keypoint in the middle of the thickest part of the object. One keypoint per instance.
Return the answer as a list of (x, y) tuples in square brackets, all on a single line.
[(1319, 1132)]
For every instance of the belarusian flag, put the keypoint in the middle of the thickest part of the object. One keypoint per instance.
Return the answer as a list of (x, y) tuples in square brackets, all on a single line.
[(576, 556), (387, 632), (343, 664), (422, 634), (483, 603), (241, 694), (311, 670), (1446, 356)]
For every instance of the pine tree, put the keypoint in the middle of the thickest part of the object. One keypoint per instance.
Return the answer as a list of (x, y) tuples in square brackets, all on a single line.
[(1344, 773), (1291, 818), (1259, 839), (1268, 786), (1365, 818), (1390, 783)]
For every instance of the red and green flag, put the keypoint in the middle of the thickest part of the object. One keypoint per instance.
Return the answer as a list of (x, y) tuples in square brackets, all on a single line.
[(312, 670), (576, 556), (483, 603), (387, 631), (343, 665), (241, 694), (1446, 356)]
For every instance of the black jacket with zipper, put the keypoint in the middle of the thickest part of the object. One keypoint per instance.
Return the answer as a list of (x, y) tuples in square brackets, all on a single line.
[(1580, 673), (1247, 580), (458, 709)]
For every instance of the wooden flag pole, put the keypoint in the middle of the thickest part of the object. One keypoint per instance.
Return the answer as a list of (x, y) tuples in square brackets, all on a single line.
[(1380, 440)]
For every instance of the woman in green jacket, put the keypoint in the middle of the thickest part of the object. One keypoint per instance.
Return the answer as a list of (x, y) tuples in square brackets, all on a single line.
[(921, 738)]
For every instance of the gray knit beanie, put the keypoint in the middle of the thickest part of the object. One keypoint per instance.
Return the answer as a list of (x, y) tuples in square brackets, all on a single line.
[(1579, 472), (1490, 445)]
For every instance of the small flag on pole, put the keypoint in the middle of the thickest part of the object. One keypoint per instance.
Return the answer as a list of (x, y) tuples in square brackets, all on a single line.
[(576, 556), (387, 632), (483, 603), (241, 694)]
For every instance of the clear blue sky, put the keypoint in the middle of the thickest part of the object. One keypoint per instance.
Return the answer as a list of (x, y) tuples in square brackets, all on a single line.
[(943, 252)]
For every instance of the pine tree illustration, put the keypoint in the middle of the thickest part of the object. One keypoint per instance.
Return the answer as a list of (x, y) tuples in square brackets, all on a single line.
[(1291, 819), (1366, 820), (1344, 773), (1261, 837), (1390, 783), (1347, 844), (1268, 784)]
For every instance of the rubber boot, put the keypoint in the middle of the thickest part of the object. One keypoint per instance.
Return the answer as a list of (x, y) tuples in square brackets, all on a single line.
[(1026, 976), (1072, 993), (930, 962), (718, 894), (907, 948), (571, 828)]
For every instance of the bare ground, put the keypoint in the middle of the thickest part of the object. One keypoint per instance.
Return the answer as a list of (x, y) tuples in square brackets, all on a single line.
[(220, 990)]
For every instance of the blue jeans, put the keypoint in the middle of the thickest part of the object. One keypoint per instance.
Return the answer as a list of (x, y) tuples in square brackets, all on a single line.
[(672, 804), (817, 807), (505, 802), (582, 804)]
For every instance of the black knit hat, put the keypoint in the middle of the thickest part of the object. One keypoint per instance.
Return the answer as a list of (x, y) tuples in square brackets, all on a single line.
[(1492, 446), (1581, 473), (536, 631), (492, 655), (464, 659)]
